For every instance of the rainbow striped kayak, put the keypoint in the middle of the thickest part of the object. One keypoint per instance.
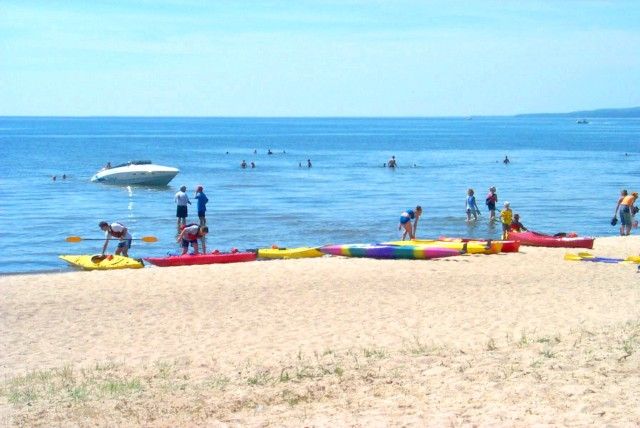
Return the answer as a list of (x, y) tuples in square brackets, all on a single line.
[(381, 251), (289, 253), (469, 247)]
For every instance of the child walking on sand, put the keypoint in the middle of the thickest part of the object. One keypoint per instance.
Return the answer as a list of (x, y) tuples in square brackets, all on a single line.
[(506, 216), (472, 206)]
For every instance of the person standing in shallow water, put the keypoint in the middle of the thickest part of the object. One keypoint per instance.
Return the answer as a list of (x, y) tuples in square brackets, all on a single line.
[(182, 200), (202, 205), (491, 201), (472, 206), (392, 162), (506, 160), (309, 163)]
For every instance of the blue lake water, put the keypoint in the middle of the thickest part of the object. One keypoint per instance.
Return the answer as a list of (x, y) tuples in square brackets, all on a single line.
[(563, 177)]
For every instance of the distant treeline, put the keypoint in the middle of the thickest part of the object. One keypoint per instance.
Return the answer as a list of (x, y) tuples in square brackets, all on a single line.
[(605, 112)]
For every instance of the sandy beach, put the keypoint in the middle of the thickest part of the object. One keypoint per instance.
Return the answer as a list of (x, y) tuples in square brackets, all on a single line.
[(509, 339)]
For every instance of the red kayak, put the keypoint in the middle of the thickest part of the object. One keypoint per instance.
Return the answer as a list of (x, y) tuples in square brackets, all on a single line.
[(507, 246), (535, 239), (203, 259)]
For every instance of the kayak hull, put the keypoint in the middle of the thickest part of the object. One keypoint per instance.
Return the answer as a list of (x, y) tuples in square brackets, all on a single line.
[(507, 246), (96, 262), (473, 247), (389, 251), (535, 239), (202, 259), (289, 253)]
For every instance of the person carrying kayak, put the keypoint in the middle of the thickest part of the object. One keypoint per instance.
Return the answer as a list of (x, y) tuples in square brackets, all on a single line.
[(405, 222), (190, 235), (119, 231)]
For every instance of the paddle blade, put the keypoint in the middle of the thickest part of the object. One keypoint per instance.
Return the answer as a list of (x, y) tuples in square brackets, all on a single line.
[(73, 239), (149, 239), (586, 255), (572, 257)]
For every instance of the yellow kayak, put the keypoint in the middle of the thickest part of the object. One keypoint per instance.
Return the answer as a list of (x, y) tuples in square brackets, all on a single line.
[(289, 253), (471, 247), (98, 262)]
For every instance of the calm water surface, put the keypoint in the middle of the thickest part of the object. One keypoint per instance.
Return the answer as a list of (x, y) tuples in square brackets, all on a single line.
[(563, 177)]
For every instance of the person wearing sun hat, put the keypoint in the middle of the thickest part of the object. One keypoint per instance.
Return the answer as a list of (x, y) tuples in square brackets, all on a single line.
[(506, 216)]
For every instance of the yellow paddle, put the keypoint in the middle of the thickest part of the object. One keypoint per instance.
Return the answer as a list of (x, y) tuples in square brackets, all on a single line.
[(572, 257), (78, 239)]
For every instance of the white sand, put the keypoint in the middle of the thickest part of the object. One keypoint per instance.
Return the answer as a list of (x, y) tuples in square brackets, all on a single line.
[(503, 339)]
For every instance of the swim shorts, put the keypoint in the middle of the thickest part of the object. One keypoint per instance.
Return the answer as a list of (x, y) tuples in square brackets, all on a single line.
[(404, 219), (125, 244), (181, 211), (625, 215), (185, 243)]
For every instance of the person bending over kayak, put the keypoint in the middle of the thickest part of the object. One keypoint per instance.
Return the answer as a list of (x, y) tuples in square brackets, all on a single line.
[(405, 222), (119, 231), (190, 235), (516, 226)]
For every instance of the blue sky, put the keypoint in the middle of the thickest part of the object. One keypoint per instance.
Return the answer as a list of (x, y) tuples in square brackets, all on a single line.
[(313, 58)]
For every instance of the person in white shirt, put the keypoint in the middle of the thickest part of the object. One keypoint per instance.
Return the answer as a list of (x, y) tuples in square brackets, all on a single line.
[(182, 200), (116, 230)]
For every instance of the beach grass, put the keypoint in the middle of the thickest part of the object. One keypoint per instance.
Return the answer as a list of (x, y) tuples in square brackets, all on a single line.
[(557, 373)]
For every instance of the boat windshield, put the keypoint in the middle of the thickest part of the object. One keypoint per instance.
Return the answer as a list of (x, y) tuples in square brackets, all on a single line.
[(135, 162)]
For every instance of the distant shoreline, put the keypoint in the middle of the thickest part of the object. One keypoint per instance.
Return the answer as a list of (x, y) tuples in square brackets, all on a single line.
[(631, 112)]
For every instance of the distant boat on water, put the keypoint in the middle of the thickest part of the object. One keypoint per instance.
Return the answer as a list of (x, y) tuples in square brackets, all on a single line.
[(582, 121), (136, 172)]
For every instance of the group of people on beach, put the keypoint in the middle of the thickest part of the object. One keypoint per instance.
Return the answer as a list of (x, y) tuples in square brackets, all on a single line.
[(188, 234), (509, 220)]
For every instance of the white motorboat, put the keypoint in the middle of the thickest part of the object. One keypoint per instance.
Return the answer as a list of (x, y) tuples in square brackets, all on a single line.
[(136, 172)]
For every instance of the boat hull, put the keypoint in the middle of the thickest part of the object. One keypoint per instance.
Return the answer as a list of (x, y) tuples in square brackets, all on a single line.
[(507, 246), (150, 174), (535, 239), (389, 251), (289, 253), (96, 262), (202, 259), (473, 247)]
